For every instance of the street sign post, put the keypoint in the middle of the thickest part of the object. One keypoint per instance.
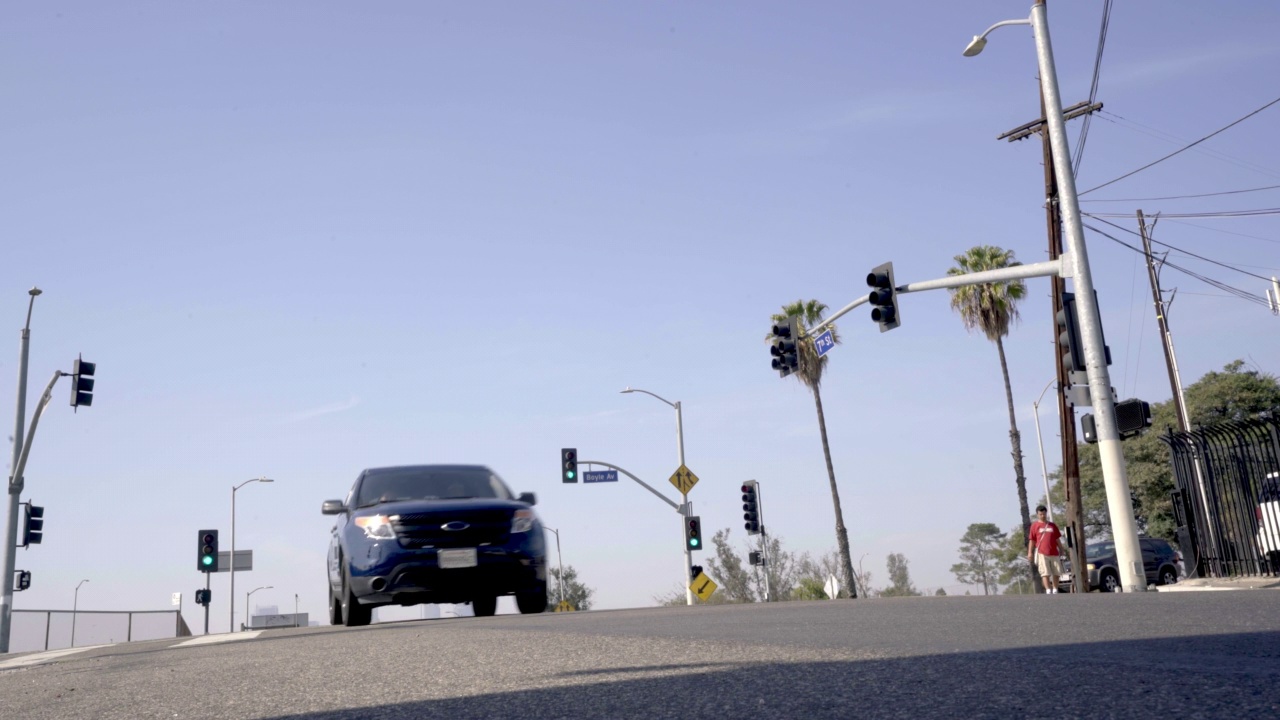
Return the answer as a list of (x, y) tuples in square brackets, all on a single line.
[(600, 476), (824, 343)]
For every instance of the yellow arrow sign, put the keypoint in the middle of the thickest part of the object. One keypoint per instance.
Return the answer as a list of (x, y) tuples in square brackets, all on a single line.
[(565, 606), (684, 479), (703, 586)]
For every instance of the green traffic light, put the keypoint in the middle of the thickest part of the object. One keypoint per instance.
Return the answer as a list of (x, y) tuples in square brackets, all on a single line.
[(207, 560), (694, 542), (569, 474)]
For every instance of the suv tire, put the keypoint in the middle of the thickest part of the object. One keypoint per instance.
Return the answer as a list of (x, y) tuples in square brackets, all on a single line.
[(353, 613), (1109, 581), (1168, 575), (485, 605), (533, 601)]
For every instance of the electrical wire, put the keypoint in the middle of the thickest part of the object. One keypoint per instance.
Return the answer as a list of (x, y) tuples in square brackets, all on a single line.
[(1215, 214), (1224, 232), (1172, 139), (1184, 252), (1234, 291), (1181, 149), (1093, 87), (1184, 197)]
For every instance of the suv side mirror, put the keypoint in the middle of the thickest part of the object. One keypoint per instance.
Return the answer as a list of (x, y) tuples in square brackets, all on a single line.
[(528, 498), (332, 507)]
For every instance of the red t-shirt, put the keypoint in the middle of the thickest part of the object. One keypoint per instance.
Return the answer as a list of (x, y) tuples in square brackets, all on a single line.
[(1045, 535)]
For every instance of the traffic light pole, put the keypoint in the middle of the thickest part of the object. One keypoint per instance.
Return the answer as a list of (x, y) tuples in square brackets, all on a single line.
[(11, 532)]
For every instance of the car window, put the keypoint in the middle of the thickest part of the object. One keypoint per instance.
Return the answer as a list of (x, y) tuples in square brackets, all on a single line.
[(417, 483), (1099, 549)]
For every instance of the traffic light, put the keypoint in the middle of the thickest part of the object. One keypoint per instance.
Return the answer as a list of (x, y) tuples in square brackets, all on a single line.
[(693, 532), (569, 465), (884, 297), (1070, 352), (1132, 417), (751, 507), (786, 355), (32, 524), (24, 580), (207, 551), (754, 558), (82, 383)]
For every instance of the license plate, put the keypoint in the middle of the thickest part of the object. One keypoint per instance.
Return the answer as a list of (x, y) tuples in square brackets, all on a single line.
[(460, 558)]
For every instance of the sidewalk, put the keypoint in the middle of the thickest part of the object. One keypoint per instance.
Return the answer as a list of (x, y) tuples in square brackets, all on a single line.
[(1202, 584)]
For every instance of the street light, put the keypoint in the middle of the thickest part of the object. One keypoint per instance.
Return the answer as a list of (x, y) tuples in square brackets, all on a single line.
[(248, 595), (10, 549), (684, 497), (1044, 471), (1124, 527), (75, 607), (559, 561), (231, 560)]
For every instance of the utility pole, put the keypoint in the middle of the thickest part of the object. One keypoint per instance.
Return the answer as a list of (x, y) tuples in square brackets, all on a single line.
[(1066, 411)]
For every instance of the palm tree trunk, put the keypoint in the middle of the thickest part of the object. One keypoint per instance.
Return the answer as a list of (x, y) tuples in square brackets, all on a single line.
[(842, 535), (1015, 440)]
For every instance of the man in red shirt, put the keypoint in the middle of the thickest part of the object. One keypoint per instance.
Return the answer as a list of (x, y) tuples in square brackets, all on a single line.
[(1043, 541)]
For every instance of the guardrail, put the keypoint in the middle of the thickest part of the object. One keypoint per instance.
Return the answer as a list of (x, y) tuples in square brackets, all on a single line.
[(61, 628)]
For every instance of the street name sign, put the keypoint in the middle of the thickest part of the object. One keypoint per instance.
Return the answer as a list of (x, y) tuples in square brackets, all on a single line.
[(244, 560), (823, 343), (601, 476), (684, 479)]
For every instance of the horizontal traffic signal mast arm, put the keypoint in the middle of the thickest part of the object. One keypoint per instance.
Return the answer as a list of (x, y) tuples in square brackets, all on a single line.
[(1049, 268), (642, 483)]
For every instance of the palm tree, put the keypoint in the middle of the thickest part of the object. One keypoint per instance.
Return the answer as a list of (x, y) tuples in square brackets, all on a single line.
[(810, 373), (992, 308)]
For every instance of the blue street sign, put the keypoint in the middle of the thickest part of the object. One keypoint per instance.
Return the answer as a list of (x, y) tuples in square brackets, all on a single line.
[(602, 476), (824, 343)]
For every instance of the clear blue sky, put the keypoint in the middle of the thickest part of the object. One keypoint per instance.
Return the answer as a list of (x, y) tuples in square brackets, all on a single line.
[(304, 238)]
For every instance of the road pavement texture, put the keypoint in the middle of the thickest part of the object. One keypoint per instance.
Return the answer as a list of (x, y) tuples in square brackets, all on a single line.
[(1186, 655)]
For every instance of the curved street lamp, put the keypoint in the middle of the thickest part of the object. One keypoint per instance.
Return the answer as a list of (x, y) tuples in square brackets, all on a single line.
[(246, 602), (231, 561), (75, 607), (684, 497)]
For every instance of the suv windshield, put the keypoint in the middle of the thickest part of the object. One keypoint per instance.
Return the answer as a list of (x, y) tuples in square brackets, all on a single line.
[(417, 483), (1099, 549)]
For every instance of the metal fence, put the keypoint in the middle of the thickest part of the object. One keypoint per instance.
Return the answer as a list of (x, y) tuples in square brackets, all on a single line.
[(56, 629), (1227, 497)]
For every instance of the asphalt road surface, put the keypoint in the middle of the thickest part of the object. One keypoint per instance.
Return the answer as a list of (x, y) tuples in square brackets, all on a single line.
[(1185, 655)]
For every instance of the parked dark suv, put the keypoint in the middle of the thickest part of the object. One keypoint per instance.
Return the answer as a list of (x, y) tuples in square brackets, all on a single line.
[(433, 534), (1160, 561)]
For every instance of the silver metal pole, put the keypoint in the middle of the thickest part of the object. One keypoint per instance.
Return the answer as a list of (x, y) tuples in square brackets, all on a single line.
[(231, 561), (75, 608), (1044, 470), (560, 562), (10, 554), (1124, 527), (684, 501)]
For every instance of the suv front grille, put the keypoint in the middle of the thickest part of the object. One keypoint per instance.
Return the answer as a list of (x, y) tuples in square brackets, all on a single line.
[(427, 529)]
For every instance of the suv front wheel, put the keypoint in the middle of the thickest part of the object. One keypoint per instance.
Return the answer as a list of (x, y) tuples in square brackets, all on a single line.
[(1168, 576), (1109, 581)]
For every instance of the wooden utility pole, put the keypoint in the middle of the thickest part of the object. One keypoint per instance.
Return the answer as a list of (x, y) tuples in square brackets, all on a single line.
[(1166, 340)]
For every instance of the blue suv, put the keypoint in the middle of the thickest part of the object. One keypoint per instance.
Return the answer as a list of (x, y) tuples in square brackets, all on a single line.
[(433, 534)]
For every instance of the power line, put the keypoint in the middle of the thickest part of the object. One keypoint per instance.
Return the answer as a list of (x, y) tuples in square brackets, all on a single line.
[(1184, 197), (1184, 252), (1224, 232), (1172, 139), (1093, 87), (1234, 291), (1213, 214), (1182, 149)]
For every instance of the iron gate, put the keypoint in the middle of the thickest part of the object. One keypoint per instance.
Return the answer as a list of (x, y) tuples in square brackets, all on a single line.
[(1227, 497)]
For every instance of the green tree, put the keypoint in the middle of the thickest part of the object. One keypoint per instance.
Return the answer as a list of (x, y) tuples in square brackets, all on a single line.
[(1234, 393), (809, 588), (729, 571), (825, 566), (1011, 564), (941, 592), (993, 308), (899, 577), (578, 594), (978, 562), (810, 374)]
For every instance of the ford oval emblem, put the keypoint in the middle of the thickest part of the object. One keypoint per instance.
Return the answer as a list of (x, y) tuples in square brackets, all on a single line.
[(455, 526)]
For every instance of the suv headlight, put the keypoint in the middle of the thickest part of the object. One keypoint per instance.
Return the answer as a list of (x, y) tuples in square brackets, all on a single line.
[(522, 521), (377, 527)]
